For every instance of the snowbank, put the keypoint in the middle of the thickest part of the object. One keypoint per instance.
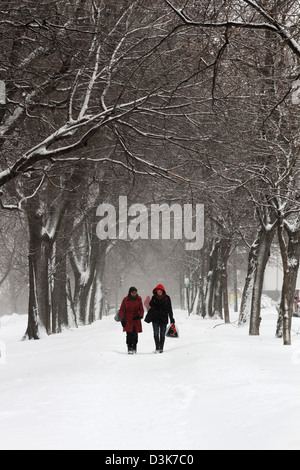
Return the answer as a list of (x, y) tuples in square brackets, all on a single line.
[(267, 302), (11, 319), (213, 388)]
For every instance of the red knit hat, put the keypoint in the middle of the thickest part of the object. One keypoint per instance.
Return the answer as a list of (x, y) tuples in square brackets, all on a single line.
[(159, 287)]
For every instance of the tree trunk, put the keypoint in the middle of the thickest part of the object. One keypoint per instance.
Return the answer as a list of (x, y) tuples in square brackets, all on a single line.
[(225, 253), (71, 302), (211, 280), (32, 331), (43, 230), (200, 303), (225, 295), (39, 298), (262, 259), (60, 314), (85, 274), (218, 291), (235, 282), (96, 302), (60, 318), (245, 308), (290, 260)]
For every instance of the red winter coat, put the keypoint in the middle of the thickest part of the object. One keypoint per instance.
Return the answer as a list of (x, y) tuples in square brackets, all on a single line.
[(133, 307)]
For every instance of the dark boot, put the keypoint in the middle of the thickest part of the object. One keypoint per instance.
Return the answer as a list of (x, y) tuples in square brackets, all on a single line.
[(161, 345), (157, 343), (134, 340)]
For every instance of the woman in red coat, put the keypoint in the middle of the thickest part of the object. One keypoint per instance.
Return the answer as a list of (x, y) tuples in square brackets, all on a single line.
[(131, 313)]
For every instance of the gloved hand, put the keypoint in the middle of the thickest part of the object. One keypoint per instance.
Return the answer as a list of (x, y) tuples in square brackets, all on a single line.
[(137, 317), (172, 320), (123, 322)]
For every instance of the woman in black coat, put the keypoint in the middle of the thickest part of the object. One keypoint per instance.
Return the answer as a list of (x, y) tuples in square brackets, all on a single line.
[(161, 310)]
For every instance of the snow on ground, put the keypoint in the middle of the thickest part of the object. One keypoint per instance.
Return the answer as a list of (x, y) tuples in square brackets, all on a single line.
[(213, 388)]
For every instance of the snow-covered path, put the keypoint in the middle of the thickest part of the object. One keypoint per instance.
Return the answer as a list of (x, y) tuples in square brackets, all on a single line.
[(213, 388)]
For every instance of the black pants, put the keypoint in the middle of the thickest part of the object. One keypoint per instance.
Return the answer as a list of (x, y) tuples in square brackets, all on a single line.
[(132, 339), (159, 332)]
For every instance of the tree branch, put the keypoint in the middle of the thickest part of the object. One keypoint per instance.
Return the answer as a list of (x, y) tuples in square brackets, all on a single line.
[(271, 24)]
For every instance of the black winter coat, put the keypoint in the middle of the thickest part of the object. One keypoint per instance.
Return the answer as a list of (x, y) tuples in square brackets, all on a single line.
[(161, 308)]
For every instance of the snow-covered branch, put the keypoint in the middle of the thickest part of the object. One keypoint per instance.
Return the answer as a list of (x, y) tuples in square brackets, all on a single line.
[(221, 24), (42, 151), (18, 206), (280, 29), (271, 24)]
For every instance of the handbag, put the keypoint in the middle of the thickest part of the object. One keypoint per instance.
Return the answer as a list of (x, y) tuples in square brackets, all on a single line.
[(117, 315), (149, 316), (172, 331)]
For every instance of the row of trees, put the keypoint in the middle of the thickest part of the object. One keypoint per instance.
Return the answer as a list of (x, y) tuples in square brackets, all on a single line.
[(270, 180), (170, 104)]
